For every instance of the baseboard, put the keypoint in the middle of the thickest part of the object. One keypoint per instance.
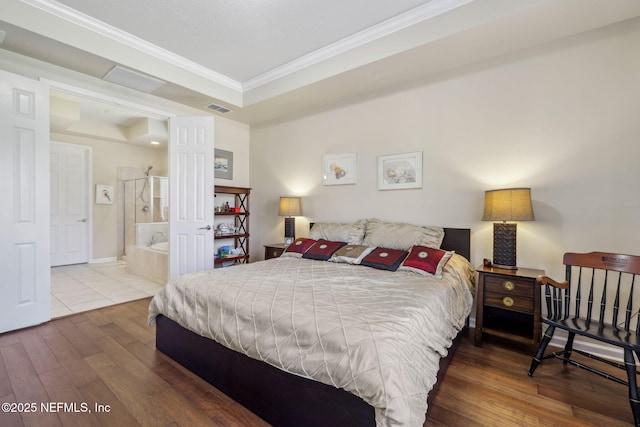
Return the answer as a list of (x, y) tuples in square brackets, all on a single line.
[(559, 340), (606, 351), (99, 260)]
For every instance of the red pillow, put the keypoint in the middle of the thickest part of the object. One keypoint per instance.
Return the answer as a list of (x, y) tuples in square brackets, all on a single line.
[(298, 247), (323, 249), (427, 261), (384, 259)]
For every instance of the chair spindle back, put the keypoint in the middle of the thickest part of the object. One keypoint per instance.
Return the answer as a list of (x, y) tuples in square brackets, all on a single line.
[(596, 273)]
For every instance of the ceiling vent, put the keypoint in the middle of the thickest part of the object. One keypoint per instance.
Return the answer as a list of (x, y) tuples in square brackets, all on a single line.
[(218, 108), (132, 79)]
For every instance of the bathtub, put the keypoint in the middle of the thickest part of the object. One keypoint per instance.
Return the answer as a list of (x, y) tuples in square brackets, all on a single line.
[(149, 262), (160, 247)]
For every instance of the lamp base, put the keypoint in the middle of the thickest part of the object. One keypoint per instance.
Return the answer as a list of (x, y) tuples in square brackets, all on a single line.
[(504, 245), (289, 230)]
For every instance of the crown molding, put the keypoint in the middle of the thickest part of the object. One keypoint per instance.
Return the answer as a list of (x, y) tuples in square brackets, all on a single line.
[(71, 15), (385, 28)]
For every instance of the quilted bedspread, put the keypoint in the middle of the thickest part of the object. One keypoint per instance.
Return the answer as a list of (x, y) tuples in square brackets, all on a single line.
[(377, 334)]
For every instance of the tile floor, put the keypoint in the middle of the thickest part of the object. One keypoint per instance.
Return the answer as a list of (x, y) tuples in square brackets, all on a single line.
[(83, 287)]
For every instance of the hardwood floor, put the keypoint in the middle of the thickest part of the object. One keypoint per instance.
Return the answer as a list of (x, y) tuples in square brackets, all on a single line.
[(106, 359)]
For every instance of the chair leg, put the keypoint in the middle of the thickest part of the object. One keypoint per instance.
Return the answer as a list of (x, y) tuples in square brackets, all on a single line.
[(630, 364), (537, 359), (568, 349)]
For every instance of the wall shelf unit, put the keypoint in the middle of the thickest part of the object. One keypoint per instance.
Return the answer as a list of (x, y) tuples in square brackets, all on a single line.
[(237, 220)]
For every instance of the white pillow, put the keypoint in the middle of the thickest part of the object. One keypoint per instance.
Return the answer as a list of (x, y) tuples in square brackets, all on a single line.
[(400, 235), (351, 233)]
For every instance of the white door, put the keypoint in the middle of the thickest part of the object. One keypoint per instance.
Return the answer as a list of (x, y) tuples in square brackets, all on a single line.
[(24, 211), (191, 192), (69, 204)]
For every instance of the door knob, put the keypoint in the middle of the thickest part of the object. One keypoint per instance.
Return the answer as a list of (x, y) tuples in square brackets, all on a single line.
[(208, 227)]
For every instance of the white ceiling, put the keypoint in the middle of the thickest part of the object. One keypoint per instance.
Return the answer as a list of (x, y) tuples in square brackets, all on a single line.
[(266, 60), (242, 40)]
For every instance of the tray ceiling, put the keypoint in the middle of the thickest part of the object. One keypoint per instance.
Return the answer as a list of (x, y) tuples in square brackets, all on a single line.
[(268, 60)]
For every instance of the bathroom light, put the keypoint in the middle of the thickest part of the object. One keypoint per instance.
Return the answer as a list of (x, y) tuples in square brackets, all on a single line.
[(154, 143)]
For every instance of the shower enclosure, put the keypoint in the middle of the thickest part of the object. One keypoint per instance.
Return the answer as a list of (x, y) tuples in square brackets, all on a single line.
[(146, 210), (146, 227)]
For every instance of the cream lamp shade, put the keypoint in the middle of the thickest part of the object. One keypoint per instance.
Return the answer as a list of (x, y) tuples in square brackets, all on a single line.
[(290, 207), (510, 204)]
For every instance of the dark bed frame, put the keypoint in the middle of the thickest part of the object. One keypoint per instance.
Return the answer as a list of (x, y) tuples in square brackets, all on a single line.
[(280, 398)]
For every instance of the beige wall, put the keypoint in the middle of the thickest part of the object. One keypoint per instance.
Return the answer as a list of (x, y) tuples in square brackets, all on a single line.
[(233, 136), (560, 118)]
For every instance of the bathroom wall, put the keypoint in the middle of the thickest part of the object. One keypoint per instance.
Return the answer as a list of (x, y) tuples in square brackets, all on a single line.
[(146, 232)]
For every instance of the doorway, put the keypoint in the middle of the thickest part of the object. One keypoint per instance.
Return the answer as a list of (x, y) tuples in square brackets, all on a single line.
[(117, 133)]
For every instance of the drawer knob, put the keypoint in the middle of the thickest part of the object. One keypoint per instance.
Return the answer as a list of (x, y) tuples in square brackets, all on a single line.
[(508, 285), (507, 301)]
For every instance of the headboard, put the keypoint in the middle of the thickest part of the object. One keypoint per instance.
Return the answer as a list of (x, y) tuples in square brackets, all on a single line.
[(459, 240), (455, 239)]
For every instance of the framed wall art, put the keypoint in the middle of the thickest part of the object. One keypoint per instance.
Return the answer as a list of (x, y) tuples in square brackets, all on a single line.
[(339, 169), (223, 164), (104, 194), (400, 171)]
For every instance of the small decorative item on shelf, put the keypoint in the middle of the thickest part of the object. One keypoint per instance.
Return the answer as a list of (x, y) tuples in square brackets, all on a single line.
[(224, 251), (227, 209), (224, 228)]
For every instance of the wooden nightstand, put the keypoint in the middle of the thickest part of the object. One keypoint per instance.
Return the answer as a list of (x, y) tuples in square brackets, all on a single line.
[(273, 250), (508, 305)]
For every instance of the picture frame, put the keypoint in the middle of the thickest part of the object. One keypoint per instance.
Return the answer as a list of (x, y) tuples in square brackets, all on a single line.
[(400, 171), (339, 169), (223, 164), (104, 194)]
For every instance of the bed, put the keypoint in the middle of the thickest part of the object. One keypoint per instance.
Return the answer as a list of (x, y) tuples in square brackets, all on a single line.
[(304, 341)]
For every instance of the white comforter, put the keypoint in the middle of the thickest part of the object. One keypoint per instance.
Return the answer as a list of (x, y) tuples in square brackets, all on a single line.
[(377, 334)]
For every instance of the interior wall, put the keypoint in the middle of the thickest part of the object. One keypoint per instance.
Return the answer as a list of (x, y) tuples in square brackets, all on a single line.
[(560, 118), (234, 136)]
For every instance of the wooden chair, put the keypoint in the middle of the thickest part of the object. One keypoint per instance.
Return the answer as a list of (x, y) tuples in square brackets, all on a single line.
[(596, 301)]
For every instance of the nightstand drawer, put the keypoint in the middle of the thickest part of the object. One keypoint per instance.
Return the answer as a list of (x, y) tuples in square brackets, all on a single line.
[(509, 285), (274, 250), (273, 253), (509, 302)]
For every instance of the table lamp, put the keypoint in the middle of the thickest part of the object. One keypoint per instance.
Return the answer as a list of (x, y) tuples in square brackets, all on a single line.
[(510, 204), (290, 207)]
